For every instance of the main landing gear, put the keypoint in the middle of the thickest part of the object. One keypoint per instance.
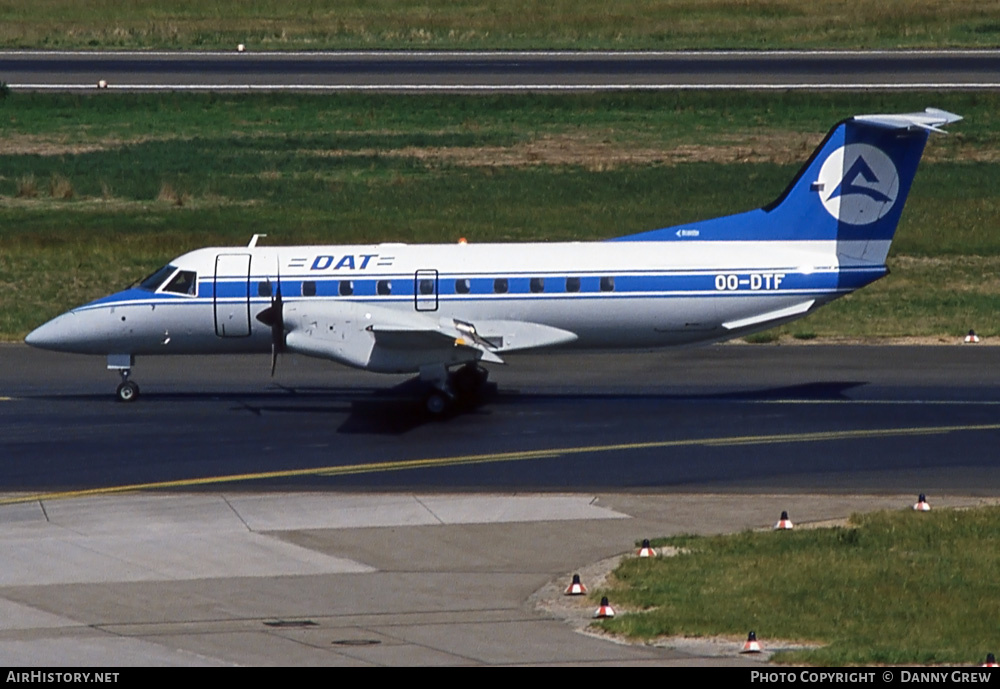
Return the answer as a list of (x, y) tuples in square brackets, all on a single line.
[(454, 390), (127, 390)]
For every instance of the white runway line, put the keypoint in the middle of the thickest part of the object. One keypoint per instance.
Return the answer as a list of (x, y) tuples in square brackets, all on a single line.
[(817, 86)]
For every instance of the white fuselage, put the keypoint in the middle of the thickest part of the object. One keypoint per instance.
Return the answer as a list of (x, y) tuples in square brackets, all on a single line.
[(611, 295)]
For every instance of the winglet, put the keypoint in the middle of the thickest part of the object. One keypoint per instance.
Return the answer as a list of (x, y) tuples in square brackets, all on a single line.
[(931, 119)]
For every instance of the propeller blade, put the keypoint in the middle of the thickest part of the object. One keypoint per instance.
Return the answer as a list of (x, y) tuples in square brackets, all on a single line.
[(278, 326), (273, 317)]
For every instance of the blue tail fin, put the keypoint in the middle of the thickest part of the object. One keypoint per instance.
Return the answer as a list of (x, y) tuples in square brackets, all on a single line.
[(852, 190)]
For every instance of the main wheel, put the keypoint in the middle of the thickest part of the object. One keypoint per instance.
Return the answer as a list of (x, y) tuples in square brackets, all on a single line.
[(468, 380), (127, 391), (437, 403)]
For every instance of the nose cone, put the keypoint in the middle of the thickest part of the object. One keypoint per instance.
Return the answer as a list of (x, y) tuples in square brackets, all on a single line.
[(58, 334)]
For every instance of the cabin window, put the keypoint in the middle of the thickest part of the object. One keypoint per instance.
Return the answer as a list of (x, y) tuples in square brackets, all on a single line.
[(500, 286), (263, 289), (309, 288), (185, 282), (346, 288), (426, 286), (383, 287), (573, 284), (463, 286), (537, 285), (607, 284)]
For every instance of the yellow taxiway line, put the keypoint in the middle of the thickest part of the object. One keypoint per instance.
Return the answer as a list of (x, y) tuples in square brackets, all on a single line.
[(498, 457)]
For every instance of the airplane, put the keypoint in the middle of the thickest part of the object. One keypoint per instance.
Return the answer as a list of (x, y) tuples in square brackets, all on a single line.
[(444, 310)]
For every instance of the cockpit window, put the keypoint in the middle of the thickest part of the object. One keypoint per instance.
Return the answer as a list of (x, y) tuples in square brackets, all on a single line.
[(185, 282), (153, 281)]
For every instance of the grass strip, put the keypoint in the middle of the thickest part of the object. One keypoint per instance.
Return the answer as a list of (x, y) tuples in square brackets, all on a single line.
[(97, 191), (890, 588), (496, 24)]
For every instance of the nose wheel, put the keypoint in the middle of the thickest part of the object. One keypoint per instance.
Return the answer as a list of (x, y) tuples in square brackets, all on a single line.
[(127, 391)]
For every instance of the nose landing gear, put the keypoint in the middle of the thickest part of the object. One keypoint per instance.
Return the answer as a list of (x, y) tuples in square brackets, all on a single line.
[(127, 390)]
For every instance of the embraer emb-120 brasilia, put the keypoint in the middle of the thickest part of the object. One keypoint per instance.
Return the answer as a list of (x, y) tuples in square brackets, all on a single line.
[(444, 310)]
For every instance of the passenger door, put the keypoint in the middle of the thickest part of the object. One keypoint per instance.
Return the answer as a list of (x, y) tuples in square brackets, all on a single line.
[(231, 295)]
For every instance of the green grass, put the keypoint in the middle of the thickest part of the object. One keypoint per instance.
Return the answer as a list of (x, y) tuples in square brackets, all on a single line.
[(140, 179), (893, 588), (497, 24)]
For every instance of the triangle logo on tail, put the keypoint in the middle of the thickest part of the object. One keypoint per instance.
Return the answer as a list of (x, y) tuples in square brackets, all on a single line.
[(864, 183)]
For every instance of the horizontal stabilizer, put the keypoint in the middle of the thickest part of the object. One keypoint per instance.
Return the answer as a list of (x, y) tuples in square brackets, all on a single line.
[(930, 119), (777, 315)]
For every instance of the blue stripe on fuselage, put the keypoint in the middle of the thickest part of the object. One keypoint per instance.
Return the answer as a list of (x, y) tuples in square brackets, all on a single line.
[(671, 284)]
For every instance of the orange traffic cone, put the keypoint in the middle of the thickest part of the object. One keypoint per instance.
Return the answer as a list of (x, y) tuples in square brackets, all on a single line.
[(576, 587), (784, 522), (752, 645), (605, 610), (646, 550), (921, 505)]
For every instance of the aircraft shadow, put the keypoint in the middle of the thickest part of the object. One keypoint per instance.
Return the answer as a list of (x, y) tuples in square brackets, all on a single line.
[(831, 391), (399, 409)]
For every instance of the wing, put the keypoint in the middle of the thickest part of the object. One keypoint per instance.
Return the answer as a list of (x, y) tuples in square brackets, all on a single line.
[(380, 339)]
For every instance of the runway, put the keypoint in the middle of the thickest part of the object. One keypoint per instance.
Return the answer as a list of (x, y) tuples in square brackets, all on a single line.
[(722, 418), (320, 519), (499, 71)]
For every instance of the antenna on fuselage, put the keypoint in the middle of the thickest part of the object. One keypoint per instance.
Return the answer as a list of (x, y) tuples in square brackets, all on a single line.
[(253, 240)]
